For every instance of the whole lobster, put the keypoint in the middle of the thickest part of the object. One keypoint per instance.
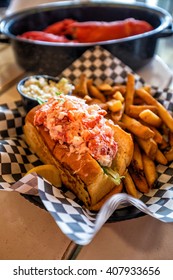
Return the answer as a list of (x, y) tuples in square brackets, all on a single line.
[(69, 30)]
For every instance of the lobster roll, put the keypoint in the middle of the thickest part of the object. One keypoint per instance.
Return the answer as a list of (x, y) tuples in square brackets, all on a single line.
[(90, 151)]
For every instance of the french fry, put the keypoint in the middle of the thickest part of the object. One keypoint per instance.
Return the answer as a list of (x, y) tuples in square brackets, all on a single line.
[(105, 88), (169, 154), (147, 88), (137, 171), (150, 118), (138, 101), (118, 96), (114, 105), (88, 98), (81, 88), (157, 135), (130, 91), (162, 112), (95, 92), (137, 128), (160, 157), (139, 179), (150, 171), (121, 88), (129, 185), (135, 110), (116, 116), (165, 115), (146, 97), (137, 156), (149, 146)]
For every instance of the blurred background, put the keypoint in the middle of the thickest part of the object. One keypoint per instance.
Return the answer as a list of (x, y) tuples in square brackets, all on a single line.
[(15, 5)]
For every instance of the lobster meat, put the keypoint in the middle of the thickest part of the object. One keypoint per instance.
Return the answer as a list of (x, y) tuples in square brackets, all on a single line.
[(69, 30)]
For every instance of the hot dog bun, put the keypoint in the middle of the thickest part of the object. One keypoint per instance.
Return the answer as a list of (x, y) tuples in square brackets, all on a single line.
[(82, 174)]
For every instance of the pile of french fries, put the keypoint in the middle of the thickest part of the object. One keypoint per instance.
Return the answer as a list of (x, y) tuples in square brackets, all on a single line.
[(140, 114)]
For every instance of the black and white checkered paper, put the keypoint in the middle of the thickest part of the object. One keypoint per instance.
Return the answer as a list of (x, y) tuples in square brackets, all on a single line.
[(79, 224)]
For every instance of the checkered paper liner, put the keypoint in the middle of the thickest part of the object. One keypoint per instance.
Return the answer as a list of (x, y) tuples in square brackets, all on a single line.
[(79, 224)]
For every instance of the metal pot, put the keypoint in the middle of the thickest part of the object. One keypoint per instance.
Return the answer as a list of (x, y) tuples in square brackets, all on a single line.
[(53, 58)]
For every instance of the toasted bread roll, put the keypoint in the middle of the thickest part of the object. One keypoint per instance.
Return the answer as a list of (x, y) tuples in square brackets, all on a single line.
[(80, 171)]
